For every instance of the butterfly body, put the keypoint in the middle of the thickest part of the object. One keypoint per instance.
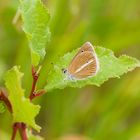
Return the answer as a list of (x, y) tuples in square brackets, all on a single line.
[(85, 63)]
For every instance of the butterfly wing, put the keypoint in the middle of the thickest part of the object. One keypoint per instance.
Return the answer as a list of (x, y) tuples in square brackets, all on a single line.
[(89, 70), (86, 47), (83, 65)]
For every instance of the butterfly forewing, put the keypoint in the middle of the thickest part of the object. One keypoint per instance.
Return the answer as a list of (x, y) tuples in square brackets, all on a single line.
[(89, 70), (85, 63), (78, 62), (86, 47)]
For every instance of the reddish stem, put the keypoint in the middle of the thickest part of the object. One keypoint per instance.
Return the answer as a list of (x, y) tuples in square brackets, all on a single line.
[(33, 92), (15, 128), (4, 98), (36, 94), (35, 76), (39, 93), (22, 131)]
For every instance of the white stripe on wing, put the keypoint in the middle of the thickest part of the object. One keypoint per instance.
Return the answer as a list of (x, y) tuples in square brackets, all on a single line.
[(84, 65)]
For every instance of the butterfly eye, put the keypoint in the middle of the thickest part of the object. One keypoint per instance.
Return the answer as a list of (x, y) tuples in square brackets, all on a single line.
[(64, 70)]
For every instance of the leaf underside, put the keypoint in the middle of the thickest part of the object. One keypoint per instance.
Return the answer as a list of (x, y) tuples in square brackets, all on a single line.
[(23, 109), (110, 67), (35, 18)]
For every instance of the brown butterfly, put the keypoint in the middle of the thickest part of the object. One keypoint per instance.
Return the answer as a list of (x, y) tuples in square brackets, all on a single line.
[(84, 64)]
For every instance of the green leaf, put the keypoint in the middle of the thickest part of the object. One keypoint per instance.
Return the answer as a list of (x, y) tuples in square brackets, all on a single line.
[(2, 107), (23, 109), (110, 67), (35, 18)]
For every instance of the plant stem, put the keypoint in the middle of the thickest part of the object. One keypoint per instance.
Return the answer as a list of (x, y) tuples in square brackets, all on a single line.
[(34, 93), (22, 131), (3, 97), (15, 128), (35, 76)]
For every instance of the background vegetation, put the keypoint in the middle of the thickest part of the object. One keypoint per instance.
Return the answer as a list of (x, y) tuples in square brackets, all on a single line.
[(109, 112)]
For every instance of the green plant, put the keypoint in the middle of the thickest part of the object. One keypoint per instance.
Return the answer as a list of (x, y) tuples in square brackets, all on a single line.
[(35, 18)]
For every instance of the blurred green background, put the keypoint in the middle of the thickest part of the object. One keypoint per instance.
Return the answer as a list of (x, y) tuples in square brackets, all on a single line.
[(109, 112)]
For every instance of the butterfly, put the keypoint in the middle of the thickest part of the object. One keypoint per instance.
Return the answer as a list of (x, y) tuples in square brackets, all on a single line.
[(85, 63)]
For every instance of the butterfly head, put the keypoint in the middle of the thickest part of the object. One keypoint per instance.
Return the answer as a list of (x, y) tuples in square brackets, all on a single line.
[(68, 75), (64, 70)]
